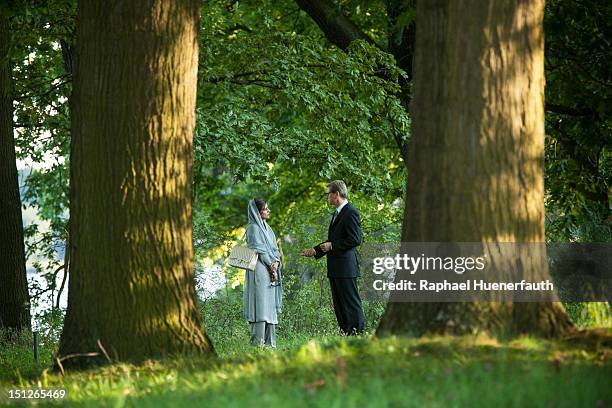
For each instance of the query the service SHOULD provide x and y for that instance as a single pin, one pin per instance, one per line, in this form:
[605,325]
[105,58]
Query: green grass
[355,372]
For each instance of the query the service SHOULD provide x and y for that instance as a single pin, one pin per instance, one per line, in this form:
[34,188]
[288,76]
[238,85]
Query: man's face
[333,199]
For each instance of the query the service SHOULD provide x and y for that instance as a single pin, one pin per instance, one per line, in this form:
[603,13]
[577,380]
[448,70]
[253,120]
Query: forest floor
[350,372]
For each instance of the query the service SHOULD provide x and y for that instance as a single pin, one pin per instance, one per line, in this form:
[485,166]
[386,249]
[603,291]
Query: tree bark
[132,281]
[479,119]
[14,297]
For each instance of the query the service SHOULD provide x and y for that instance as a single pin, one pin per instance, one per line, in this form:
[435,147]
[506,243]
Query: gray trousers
[263,333]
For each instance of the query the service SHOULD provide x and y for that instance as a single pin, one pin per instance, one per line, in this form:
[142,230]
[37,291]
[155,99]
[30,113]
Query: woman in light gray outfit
[263,286]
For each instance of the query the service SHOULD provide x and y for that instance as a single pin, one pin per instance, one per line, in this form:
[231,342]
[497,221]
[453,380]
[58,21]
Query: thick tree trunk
[475,170]
[14,297]
[132,285]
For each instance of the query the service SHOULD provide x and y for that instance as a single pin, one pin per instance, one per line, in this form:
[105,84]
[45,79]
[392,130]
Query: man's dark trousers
[347,305]
[342,269]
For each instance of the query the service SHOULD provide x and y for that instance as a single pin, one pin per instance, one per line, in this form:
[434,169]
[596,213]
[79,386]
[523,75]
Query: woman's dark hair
[260,203]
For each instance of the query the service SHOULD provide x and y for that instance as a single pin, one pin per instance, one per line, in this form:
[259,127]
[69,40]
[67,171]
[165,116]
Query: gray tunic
[262,300]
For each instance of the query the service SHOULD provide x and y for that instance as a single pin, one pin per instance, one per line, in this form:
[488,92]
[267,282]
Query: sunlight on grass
[337,371]
[526,343]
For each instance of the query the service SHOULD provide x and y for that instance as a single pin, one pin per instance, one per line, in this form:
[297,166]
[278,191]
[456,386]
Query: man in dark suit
[343,236]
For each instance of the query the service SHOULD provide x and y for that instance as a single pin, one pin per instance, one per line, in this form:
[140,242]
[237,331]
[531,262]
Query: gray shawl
[262,240]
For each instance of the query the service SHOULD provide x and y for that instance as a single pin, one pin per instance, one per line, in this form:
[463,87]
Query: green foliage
[16,356]
[590,314]
[224,321]
[583,314]
[560,228]
[42,34]
[17,349]
[280,112]
[323,111]
[307,313]
[578,119]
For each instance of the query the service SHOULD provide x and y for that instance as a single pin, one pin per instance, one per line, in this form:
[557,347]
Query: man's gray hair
[338,186]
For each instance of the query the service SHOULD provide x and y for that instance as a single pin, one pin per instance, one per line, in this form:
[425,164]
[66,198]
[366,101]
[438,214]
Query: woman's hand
[273,269]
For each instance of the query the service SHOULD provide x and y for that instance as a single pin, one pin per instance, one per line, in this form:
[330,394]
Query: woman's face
[265,212]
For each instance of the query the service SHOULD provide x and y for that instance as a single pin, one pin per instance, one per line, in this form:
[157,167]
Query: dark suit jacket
[344,235]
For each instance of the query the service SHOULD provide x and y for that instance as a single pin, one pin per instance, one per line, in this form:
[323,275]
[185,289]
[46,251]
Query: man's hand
[274,266]
[326,246]
[308,252]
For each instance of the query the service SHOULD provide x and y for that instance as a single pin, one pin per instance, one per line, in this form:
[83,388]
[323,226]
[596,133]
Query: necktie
[334,217]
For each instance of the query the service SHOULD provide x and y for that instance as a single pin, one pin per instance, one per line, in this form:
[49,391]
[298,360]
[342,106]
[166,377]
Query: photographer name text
[468,285]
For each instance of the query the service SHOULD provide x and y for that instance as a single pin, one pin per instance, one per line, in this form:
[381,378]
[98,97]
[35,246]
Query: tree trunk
[132,281]
[476,158]
[14,297]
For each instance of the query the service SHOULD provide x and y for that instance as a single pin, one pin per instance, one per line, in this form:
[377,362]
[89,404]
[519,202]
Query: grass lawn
[352,372]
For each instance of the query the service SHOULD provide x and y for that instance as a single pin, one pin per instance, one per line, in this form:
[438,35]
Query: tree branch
[563,110]
[46,93]
[259,82]
[338,29]
[243,74]
[52,286]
